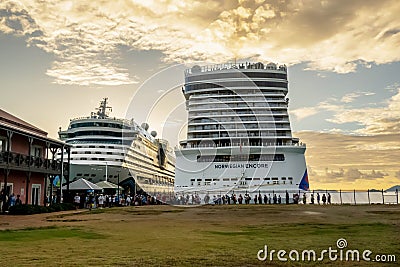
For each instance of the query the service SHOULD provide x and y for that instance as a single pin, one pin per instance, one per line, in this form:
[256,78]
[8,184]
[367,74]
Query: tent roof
[106,185]
[82,184]
[393,188]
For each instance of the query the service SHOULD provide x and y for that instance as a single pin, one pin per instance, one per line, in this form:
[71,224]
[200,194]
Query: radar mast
[102,111]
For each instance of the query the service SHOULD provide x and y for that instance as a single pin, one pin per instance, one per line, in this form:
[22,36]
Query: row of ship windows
[222,105]
[97,133]
[98,159]
[246,179]
[240,99]
[239,119]
[251,157]
[242,135]
[241,93]
[235,126]
[109,147]
[240,183]
[98,152]
[236,75]
[100,124]
[238,113]
[273,180]
[230,84]
[227,143]
[100,141]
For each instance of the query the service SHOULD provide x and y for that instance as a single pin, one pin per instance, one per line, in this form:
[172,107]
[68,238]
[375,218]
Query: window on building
[35,194]
[37,151]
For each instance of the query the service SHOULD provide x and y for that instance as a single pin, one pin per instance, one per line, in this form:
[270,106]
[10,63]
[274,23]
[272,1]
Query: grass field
[197,236]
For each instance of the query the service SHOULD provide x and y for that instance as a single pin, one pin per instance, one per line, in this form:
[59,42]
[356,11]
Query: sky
[58,59]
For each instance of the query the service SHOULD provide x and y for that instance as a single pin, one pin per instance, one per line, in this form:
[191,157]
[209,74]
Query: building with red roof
[27,161]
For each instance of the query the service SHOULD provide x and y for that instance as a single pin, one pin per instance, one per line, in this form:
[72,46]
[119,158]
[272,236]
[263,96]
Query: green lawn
[200,236]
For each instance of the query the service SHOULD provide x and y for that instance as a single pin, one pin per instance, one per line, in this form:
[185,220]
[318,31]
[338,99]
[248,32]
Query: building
[27,160]
[239,136]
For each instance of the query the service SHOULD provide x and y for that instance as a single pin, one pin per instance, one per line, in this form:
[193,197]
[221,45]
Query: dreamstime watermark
[338,253]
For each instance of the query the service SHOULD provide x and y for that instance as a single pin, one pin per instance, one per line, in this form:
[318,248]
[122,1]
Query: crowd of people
[7,201]
[230,199]
[91,201]
[246,198]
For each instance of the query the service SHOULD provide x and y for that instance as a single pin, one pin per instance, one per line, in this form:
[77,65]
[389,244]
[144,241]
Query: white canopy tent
[107,185]
[82,184]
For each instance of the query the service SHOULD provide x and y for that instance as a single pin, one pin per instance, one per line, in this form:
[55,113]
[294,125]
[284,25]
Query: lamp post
[119,197]
[118,185]
[106,171]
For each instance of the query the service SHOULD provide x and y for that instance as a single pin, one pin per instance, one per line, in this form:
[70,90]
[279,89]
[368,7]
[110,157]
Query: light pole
[119,197]
[106,171]
[118,185]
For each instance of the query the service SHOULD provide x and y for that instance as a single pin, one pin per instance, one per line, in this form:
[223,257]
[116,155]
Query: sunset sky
[58,59]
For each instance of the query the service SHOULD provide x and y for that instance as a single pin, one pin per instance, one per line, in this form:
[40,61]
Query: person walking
[101,199]
[77,201]
[324,199]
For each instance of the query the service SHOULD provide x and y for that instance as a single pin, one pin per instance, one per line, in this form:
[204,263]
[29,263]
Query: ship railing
[297,196]
[264,144]
[234,65]
[125,121]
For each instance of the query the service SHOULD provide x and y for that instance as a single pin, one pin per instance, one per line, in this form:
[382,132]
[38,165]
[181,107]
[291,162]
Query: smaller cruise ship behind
[106,148]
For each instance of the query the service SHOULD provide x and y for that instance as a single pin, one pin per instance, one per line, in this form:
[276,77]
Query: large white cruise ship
[239,136]
[105,148]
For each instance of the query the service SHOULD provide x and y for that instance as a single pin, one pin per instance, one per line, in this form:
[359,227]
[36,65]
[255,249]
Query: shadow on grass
[43,233]
[144,210]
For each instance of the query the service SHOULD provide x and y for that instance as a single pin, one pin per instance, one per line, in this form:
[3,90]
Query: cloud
[333,174]
[370,120]
[383,120]
[350,97]
[302,113]
[349,162]
[86,36]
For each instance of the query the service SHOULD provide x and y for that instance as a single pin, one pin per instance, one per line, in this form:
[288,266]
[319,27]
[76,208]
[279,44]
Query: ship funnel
[153,133]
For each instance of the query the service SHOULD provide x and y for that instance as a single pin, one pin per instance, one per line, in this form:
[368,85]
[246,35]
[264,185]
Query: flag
[56,181]
[304,184]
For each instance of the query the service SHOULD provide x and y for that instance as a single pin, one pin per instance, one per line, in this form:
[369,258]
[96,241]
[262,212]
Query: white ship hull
[235,176]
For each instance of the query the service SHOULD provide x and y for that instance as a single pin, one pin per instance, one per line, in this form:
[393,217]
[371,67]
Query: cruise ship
[239,136]
[120,151]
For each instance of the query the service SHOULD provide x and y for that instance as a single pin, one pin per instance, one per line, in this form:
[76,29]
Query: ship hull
[235,176]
